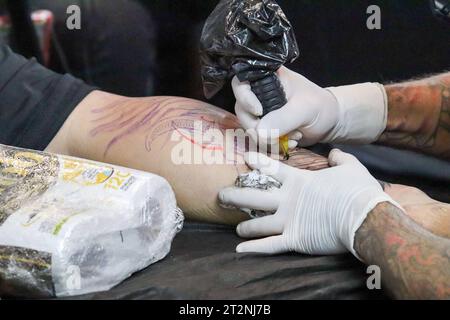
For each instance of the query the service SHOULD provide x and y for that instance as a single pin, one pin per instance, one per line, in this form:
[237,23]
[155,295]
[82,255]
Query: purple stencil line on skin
[124,104]
[188,125]
[148,142]
[109,106]
[131,129]
[113,123]
[175,123]
[147,119]
[189,112]
[123,112]
[164,105]
[165,117]
[171,125]
[182,123]
[110,127]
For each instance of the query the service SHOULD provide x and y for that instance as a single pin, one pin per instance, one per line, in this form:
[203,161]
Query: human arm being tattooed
[419,115]
[138,132]
[414,263]
[135,132]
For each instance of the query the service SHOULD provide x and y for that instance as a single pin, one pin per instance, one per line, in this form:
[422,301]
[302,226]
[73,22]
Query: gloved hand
[317,212]
[347,114]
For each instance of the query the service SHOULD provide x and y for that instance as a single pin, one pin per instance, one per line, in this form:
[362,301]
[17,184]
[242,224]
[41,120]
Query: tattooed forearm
[419,116]
[414,263]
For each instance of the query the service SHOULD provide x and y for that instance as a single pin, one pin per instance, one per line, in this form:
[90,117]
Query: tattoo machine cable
[251,39]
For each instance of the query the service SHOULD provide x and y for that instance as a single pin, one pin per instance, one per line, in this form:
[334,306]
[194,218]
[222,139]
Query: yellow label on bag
[87,174]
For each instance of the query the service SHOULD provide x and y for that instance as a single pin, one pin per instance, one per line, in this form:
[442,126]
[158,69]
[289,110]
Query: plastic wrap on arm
[71,226]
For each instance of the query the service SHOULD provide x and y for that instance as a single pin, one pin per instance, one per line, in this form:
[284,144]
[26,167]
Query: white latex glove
[317,212]
[347,114]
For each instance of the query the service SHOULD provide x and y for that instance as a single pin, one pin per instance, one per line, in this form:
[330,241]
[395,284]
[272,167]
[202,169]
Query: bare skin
[430,214]
[419,116]
[136,132]
[106,127]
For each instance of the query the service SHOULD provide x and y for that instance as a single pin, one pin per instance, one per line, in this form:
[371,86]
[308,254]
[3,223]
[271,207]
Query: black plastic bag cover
[247,38]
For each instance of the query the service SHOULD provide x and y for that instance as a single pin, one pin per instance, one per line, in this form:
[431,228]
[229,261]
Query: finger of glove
[246,98]
[280,122]
[295,135]
[338,158]
[270,245]
[246,119]
[292,144]
[260,227]
[306,142]
[249,198]
[294,138]
[267,165]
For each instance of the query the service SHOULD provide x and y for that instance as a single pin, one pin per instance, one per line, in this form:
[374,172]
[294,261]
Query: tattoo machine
[251,39]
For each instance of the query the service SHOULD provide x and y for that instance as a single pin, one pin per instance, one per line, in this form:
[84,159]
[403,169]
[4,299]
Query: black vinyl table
[203,264]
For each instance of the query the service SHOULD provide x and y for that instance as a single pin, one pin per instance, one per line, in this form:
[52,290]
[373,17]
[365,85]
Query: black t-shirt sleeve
[34,101]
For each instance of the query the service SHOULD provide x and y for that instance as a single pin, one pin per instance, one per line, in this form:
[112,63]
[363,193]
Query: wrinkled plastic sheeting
[70,226]
[247,38]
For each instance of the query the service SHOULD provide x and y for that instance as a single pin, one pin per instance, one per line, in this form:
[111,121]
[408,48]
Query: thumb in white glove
[310,113]
[355,114]
[317,212]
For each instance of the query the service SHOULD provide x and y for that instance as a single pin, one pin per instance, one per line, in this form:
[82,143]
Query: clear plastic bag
[70,226]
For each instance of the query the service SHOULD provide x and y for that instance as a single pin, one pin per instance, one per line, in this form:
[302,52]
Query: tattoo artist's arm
[414,263]
[419,116]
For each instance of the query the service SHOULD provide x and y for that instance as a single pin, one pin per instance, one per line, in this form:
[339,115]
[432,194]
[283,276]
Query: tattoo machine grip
[269,92]
[250,39]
